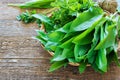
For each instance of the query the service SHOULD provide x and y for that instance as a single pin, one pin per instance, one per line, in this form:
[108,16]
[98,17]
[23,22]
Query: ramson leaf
[83,35]
[91,55]
[43,18]
[57,65]
[55,36]
[85,20]
[46,21]
[35,4]
[82,67]
[67,43]
[110,39]
[80,51]
[67,53]
[101,59]
[51,45]
[65,28]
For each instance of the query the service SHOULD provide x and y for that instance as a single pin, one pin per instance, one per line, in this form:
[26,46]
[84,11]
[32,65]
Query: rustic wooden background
[22,58]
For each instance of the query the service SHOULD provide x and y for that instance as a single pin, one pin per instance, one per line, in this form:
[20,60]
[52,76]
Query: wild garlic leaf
[56,36]
[34,4]
[92,53]
[110,39]
[58,58]
[95,67]
[82,67]
[84,21]
[67,43]
[42,34]
[51,45]
[40,39]
[101,60]
[85,40]
[80,51]
[67,53]
[88,31]
[57,65]
[65,28]
[43,18]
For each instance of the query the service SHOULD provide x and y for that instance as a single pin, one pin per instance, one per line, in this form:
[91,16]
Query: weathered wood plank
[13,1]
[63,74]
[15,28]
[21,47]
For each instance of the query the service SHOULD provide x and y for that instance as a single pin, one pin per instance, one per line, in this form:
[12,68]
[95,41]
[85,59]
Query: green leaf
[58,58]
[84,21]
[51,46]
[83,35]
[34,4]
[101,60]
[42,34]
[67,53]
[43,18]
[70,35]
[92,53]
[40,39]
[57,55]
[80,52]
[64,54]
[118,24]
[95,67]
[56,36]
[65,28]
[67,43]
[110,39]
[82,67]
[57,65]
[47,27]
[85,40]
[47,22]
[58,52]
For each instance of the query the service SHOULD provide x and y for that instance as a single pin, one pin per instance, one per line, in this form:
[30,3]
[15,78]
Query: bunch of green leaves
[78,32]
[68,10]
[63,11]
[88,39]
[26,17]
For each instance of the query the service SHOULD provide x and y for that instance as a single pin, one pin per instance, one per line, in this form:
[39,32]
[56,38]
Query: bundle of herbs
[79,31]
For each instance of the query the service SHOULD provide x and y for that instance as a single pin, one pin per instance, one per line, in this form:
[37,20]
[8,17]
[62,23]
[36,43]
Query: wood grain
[22,58]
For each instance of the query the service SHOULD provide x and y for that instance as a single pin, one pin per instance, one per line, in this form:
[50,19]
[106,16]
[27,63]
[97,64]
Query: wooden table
[22,58]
